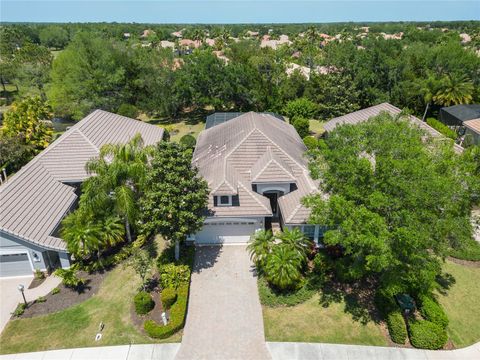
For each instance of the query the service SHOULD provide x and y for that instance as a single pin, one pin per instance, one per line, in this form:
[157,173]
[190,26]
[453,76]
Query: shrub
[302,125]
[128,110]
[427,335]
[39,274]
[396,327]
[469,251]
[172,276]
[41,299]
[433,312]
[301,107]
[169,296]
[441,127]
[188,141]
[19,310]
[310,142]
[273,298]
[69,278]
[143,303]
[177,317]
[55,291]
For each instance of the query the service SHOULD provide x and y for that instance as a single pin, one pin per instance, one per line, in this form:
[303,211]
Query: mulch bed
[155,314]
[66,297]
[469,263]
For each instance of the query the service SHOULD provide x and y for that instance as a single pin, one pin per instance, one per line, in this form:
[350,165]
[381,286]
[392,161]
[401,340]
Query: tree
[175,197]
[283,266]
[300,108]
[260,246]
[188,141]
[302,126]
[454,90]
[28,120]
[295,240]
[398,201]
[141,262]
[82,235]
[54,37]
[14,153]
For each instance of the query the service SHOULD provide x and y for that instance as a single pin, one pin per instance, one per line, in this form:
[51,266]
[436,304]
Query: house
[365,114]
[146,33]
[257,175]
[167,44]
[456,115]
[34,201]
[472,132]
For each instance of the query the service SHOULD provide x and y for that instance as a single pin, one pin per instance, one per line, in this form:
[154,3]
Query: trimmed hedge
[143,303]
[177,317]
[433,311]
[441,127]
[427,335]
[273,298]
[169,296]
[396,327]
[470,251]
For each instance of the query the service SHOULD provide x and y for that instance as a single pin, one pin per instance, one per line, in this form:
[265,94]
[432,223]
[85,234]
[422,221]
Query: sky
[236,11]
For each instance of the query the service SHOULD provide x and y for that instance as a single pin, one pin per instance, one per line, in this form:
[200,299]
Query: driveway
[224,318]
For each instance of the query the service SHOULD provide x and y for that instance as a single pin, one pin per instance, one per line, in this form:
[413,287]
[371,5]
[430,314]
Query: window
[309,231]
[224,200]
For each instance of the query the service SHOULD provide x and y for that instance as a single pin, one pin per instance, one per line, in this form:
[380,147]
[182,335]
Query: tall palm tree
[295,240]
[260,246]
[113,231]
[454,89]
[82,235]
[283,267]
[427,88]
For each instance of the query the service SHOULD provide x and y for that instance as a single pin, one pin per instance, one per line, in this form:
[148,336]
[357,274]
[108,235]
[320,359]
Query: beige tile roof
[34,200]
[253,148]
[473,125]
[365,114]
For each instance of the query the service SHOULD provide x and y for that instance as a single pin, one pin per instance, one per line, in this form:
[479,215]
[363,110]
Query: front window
[224,200]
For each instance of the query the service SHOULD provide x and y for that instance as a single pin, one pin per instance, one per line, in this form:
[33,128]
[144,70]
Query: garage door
[14,265]
[226,232]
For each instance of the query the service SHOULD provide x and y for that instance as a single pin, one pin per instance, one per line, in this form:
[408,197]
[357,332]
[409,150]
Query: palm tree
[295,240]
[454,90]
[260,246]
[82,235]
[283,267]
[113,231]
[427,88]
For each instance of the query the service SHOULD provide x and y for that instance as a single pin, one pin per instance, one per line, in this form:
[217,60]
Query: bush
[69,278]
[39,274]
[177,317]
[55,291]
[41,299]
[273,298]
[396,327]
[427,335]
[143,303]
[169,296]
[302,125]
[188,141]
[469,251]
[310,142]
[128,110]
[301,107]
[441,127]
[19,310]
[433,312]
[172,276]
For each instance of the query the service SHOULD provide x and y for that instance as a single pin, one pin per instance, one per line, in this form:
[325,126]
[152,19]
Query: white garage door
[14,265]
[228,232]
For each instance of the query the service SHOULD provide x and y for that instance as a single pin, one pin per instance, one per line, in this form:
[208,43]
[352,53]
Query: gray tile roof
[34,200]
[253,148]
[365,114]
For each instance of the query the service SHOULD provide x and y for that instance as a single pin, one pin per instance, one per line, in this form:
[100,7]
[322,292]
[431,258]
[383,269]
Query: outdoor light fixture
[21,288]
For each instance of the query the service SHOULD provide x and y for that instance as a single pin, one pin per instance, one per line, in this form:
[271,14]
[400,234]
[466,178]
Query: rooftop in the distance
[221,117]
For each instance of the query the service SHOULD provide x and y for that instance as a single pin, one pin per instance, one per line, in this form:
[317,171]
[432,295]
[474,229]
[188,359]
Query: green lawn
[77,326]
[183,128]
[462,304]
[311,322]
[316,127]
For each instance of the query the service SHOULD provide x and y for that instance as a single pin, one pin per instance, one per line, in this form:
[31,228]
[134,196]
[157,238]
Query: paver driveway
[224,318]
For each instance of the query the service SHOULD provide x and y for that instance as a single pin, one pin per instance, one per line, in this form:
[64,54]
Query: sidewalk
[121,352]
[310,351]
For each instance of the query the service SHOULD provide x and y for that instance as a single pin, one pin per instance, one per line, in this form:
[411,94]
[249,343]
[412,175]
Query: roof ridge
[253,196]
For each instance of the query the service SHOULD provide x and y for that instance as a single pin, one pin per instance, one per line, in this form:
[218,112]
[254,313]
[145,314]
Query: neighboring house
[274,44]
[472,132]
[167,44]
[456,115]
[257,175]
[34,201]
[365,114]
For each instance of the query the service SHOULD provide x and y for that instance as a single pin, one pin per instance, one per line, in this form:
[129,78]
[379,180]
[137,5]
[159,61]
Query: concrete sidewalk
[122,352]
[312,351]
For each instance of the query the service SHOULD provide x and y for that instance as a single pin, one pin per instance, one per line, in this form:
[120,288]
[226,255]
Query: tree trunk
[127,230]
[425,113]
[177,250]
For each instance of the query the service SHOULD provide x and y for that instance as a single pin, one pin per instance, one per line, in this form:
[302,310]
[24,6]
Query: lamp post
[21,288]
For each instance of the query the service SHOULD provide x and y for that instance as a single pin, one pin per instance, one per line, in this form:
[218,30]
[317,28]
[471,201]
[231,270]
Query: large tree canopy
[398,201]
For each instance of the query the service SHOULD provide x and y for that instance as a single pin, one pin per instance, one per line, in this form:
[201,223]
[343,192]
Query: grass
[177,130]
[462,305]
[311,322]
[316,127]
[77,326]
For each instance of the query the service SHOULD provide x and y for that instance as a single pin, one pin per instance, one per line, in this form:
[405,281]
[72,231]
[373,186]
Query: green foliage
[173,276]
[39,274]
[143,303]
[302,125]
[141,262]
[300,108]
[468,251]
[169,296]
[14,153]
[55,291]
[70,278]
[282,267]
[444,129]
[41,299]
[310,142]
[177,317]
[432,311]
[54,36]
[188,141]
[19,310]
[427,335]
[128,110]
[273,297]
[260,246]
[396,327]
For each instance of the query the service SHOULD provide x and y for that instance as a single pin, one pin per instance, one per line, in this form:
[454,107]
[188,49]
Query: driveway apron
[224,318]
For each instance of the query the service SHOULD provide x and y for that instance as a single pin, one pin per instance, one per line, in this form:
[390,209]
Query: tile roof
[473,125]
[36,198]
[365,114]
[253,148]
